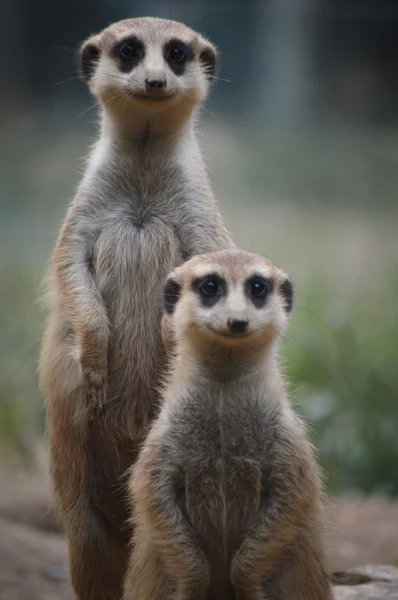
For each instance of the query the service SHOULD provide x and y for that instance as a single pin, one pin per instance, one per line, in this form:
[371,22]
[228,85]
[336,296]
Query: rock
[56,572]
[32,563]
[25,500]
[362,531]
[372,582]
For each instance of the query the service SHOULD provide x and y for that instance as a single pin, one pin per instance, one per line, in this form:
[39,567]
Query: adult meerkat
[226,493]
[143,206]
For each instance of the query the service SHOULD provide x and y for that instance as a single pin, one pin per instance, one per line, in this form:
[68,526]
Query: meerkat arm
[85,307]
[281,512]
[174,540]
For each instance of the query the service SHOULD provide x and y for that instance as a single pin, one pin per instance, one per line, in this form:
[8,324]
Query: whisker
[286,336]
[66,80]
[239,76]
[214,116]
[85,112]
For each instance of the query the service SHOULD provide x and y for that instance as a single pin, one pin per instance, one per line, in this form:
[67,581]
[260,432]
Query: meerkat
[144,205]
[226,494]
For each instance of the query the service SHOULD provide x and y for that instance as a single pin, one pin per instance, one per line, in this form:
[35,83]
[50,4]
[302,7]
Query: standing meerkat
[144,205]
[226,494]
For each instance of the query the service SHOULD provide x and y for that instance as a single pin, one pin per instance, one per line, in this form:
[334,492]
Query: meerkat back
[144,205]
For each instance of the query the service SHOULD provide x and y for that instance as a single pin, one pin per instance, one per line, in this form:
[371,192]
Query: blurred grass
[321,205]
[21,412]
[345,369]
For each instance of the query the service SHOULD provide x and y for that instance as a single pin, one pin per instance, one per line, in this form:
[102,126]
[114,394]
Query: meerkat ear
[171,294]
[209,59]
[286,289]
[89,56]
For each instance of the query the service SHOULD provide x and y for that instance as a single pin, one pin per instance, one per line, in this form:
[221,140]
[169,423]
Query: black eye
[210,287]
[258,289]
[130,51]
[178,53]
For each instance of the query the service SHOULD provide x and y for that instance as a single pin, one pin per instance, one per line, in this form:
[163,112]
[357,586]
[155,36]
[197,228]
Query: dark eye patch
[210,288]
[89,58]
[177,53]
[209,61]
[258,289]
[287,292]
[171,295]
[128,53]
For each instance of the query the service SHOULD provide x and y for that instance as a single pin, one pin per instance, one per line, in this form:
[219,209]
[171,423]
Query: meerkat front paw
[242,594]
[192,594]
[246,587]
[196,586]
[95,384]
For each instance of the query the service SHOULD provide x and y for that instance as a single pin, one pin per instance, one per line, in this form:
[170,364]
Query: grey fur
[226,493]
[144,204]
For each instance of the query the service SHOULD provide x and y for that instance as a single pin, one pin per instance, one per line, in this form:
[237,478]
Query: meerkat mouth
[150,96]
[228,334]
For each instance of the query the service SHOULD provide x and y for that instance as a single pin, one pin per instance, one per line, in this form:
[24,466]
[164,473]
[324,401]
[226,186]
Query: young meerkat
[226,495]
[144,205]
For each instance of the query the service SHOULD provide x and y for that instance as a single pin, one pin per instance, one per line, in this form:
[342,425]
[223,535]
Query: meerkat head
[230,297]
[149,65]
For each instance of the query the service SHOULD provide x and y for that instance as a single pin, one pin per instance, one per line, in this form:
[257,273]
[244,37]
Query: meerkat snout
[227,296]
[237,325]
[155,84]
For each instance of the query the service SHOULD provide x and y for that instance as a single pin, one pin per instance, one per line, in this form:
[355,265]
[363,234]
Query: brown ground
[33,550]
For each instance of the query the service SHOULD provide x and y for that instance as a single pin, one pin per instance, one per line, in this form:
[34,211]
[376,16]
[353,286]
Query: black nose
[155,84]
[237,325]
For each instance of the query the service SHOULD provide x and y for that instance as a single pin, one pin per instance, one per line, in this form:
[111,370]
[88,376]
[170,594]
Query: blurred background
[301,138]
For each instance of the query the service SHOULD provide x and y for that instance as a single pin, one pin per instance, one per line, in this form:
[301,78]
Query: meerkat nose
[155,84]
[237,325]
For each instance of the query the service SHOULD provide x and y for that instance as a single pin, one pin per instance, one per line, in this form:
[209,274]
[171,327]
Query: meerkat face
[229,295]
[148,62]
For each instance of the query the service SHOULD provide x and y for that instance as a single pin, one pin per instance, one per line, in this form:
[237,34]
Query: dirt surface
[34,555]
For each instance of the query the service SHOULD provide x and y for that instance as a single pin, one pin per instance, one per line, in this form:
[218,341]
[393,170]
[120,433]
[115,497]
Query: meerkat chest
[135,250]
[223,478]
[139,226]
[130,264]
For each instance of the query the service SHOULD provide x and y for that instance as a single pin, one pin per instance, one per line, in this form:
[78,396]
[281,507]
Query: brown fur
[143,206]
[226,493]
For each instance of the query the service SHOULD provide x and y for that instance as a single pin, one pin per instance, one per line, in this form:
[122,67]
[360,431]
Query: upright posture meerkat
[143,207]
[226,493]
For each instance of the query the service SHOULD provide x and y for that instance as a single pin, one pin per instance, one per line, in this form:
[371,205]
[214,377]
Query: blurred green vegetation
[325,209]
[21,409]
[343,368]
[321,206]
